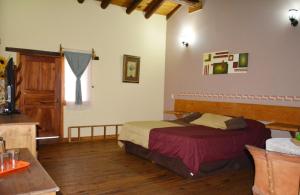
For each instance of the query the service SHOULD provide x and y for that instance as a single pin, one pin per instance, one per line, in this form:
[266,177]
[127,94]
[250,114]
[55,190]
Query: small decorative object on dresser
[131,69]
[3,63]
[296,140]
[2,145]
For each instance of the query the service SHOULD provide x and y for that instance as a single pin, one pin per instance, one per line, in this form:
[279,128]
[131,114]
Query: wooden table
[284,127]
[33,180]
[178,114]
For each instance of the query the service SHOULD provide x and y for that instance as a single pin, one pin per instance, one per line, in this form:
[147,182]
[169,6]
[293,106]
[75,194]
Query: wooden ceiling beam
[173,11]
[195,7]
[186,2]
[132,6]
[152,7]
[105,3]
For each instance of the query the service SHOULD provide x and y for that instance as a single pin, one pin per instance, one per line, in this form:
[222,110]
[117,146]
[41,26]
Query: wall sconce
[186,44]
[293,16]
[184,39]
[187,37]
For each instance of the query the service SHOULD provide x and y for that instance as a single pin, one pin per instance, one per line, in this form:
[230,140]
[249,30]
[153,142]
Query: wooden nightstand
[284,127]
[178,114]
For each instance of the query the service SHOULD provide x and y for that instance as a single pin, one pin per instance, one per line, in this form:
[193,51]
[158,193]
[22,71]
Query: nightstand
[178,114]
[284,127]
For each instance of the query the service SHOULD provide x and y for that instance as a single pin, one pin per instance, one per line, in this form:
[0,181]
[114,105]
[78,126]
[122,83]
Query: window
[70,84]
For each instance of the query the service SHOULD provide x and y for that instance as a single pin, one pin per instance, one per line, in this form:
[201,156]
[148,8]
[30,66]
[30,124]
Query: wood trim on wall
[280,114]
[234,96]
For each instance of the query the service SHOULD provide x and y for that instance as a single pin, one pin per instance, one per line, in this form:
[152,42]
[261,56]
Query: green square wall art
[220,68]
[243,60]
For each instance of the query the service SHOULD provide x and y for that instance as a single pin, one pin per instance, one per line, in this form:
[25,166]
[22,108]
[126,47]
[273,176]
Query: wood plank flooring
[103,168]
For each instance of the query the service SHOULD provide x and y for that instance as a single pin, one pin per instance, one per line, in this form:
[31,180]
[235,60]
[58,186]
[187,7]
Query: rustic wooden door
[41,92]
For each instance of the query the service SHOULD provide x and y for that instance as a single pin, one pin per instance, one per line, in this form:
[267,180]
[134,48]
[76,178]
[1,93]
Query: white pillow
[212,120]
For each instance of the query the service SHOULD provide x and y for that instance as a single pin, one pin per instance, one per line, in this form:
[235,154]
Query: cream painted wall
[43,25]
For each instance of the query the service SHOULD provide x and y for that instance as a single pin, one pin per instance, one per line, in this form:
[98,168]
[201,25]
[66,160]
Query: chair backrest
[275,173]
[285,173]
[261,181]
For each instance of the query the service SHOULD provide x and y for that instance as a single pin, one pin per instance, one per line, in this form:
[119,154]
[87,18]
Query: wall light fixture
[186,44]
[294,16]
[187,36]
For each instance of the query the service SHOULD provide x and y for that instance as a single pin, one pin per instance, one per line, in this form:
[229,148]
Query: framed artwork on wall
[224,62]
[131,69]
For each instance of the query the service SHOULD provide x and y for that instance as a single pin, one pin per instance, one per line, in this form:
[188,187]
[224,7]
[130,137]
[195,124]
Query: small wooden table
[284,127]
[33,180]
[178,114]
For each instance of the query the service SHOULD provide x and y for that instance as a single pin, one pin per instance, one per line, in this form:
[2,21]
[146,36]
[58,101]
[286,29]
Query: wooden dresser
[19,131]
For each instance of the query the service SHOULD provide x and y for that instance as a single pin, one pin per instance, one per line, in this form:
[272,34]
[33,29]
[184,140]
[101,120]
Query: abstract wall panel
[224,62]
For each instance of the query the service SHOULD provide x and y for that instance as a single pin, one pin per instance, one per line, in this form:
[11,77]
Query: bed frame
[271,113]
[177,166]
[289,116]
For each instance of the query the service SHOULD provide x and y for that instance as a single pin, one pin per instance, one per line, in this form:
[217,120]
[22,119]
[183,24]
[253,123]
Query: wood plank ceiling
[150,7]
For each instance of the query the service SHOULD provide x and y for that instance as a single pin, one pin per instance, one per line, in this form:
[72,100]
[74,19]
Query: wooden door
[41,92]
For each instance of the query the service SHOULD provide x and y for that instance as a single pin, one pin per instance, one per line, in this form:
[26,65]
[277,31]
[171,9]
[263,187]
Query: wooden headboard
[281,114]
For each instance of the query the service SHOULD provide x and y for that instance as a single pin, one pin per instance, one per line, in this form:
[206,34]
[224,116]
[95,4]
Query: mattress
[138,132]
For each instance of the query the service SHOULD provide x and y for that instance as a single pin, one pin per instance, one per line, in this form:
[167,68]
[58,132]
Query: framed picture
[131,69]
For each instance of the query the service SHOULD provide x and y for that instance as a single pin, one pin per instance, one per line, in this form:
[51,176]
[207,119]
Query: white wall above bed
[43,25]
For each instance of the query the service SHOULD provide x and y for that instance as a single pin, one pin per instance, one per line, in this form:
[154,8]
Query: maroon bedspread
[195,145]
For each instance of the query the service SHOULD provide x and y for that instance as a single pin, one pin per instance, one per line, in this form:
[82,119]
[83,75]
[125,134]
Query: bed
[196,150]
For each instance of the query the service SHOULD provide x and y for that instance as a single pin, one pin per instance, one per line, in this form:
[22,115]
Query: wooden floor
[103,168]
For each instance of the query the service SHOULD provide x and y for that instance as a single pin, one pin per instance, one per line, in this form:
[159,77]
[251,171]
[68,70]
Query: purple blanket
[195,145]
